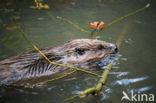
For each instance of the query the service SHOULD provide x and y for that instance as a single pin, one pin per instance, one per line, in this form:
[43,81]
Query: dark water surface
[134,69]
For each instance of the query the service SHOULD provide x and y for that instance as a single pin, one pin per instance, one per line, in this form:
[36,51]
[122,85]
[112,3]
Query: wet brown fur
[31,67]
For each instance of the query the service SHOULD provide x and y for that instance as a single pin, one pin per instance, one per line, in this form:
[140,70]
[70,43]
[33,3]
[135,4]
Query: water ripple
[104,96]
[146,88]
[128,81]
[50,88]
[76,92]
[119,74]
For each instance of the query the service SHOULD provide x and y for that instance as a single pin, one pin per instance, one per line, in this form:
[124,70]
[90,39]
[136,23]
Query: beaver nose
[115,49]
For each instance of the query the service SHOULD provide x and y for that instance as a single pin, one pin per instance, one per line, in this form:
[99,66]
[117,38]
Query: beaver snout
[114,49]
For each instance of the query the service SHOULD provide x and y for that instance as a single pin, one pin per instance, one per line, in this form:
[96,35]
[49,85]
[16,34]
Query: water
[133,70]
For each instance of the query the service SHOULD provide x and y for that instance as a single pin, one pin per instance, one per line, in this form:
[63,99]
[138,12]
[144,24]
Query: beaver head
[79,52]
[82,51]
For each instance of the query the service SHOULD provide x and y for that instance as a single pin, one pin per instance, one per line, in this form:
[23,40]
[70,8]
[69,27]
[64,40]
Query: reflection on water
[133,68]
[119,74]
[128,81]
[143,89]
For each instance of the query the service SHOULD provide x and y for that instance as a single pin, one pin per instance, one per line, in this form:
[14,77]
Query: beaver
[32,67]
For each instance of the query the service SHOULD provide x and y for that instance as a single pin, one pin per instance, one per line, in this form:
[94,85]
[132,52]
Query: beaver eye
[100,47]
[79,51]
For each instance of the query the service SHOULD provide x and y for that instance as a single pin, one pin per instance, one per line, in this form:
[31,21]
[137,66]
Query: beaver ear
[68,41]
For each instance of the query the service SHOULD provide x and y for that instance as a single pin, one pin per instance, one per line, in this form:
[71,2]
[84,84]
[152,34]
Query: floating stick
[74,25]
[129,14]
[109,24]
[53,79]
[95,89]
[39,5]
